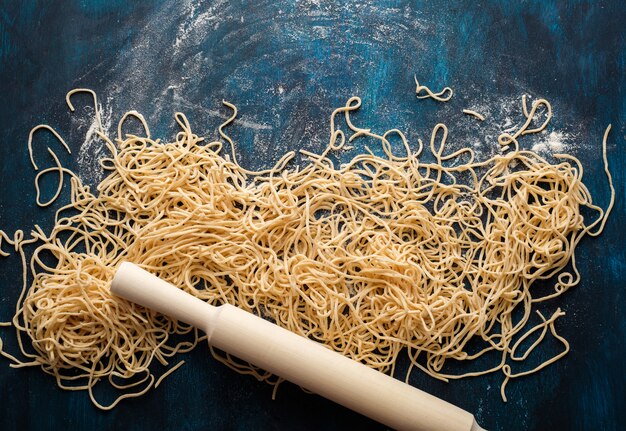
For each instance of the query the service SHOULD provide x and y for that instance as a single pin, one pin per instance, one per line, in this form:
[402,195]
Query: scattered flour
[503,114]
[553,143]
[196,26]
[195,23]
[92,148]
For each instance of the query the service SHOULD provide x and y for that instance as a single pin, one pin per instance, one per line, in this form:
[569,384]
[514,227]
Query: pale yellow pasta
[376,256]
[474,114]
[424,92]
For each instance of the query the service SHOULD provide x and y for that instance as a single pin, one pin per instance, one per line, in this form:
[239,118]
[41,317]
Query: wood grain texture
[286,65]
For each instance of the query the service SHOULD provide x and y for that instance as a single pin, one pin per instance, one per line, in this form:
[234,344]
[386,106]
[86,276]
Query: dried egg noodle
[377,255]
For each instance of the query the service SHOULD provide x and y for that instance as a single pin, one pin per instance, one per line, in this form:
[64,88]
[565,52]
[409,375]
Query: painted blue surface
[286,65]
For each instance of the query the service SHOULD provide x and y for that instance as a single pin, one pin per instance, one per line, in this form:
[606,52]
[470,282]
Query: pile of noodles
[374,257]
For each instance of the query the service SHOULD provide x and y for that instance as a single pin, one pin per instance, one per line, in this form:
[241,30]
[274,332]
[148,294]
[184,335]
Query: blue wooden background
[286,65]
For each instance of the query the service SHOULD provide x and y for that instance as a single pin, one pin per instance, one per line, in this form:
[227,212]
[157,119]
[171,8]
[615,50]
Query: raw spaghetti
[373,257]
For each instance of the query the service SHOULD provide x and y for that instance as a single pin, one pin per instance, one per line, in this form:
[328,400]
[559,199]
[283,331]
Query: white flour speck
[554,142]
[196,26]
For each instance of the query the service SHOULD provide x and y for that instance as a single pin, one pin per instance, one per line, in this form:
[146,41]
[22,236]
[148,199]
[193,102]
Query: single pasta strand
[167,373]
[474,114]
[371,257]
[443,96]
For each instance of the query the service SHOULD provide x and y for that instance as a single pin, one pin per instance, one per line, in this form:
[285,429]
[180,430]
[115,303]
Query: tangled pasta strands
[373,257]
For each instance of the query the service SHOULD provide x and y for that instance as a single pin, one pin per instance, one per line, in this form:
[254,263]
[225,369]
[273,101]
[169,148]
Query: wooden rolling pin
[295,358]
